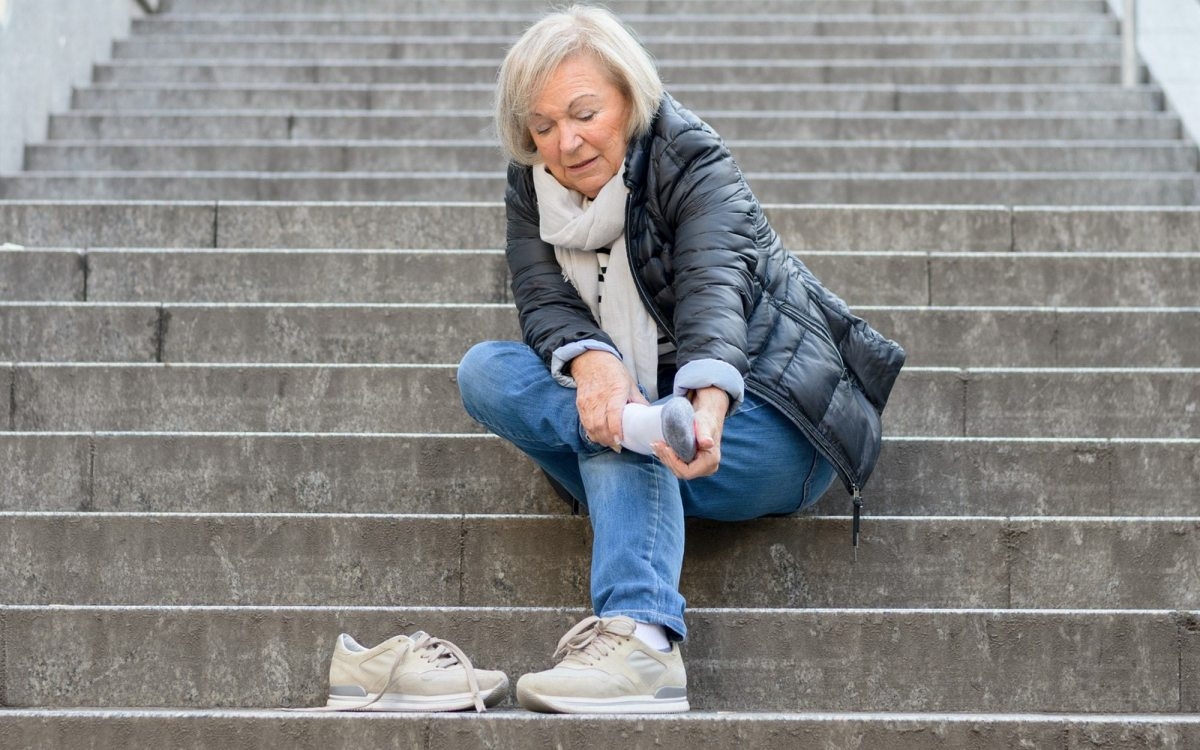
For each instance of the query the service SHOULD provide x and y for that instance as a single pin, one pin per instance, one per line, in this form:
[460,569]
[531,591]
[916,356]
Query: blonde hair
[580,29]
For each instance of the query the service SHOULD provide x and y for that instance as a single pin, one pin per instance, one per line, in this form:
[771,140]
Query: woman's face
[578,125]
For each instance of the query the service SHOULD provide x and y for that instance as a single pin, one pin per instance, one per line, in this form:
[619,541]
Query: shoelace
[439,650]
[449,654]
[593,639]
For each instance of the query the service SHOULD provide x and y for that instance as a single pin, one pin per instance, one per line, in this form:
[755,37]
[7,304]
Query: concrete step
[956,27]
[533,8]
[741,70]
[927,401]
[499,561]
[806,229]
[441,332]
[920,39]
[407,473]
[246,728]
[230,125]
[971,188]
[387,277]
[478,155]
[1146,98]
[41,275]
[841,660]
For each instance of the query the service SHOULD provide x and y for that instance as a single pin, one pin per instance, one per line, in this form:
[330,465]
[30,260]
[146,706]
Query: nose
[568,139]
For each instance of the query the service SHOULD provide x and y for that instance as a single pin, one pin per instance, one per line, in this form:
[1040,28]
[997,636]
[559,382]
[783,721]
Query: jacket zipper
[809,432]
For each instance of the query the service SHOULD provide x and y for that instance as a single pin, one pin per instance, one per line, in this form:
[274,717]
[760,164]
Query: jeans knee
[474,373]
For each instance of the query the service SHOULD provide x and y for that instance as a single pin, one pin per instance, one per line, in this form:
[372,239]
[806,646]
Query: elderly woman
[642,268]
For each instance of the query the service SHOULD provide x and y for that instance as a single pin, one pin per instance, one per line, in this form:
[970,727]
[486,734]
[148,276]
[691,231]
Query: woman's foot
[673,422]
[605,668]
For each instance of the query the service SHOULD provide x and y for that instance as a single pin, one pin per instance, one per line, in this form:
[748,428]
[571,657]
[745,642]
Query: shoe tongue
[445,659]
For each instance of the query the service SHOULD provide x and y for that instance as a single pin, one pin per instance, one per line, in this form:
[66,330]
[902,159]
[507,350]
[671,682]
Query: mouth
[582,164]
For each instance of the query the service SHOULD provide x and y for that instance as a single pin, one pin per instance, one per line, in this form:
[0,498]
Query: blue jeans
[636,505]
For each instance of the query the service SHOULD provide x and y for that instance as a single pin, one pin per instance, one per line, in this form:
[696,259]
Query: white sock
[654,636]
[641,425]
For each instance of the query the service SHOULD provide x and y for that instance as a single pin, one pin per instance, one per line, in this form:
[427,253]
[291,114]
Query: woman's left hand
[711,405]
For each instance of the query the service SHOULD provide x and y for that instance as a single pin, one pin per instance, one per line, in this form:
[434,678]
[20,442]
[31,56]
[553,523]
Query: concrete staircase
[233,430]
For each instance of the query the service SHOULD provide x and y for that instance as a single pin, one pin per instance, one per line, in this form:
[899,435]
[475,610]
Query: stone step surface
[236,729]
[1001,44]
[1069,279]
[1026,573]
[812,659]
[368,125]
[479,156]
[753,71]
[1019,188]
[635,8]
[806,229]
[503,28]
[929,401]
[441,332]
[499,561]
[994,98]
[404,473]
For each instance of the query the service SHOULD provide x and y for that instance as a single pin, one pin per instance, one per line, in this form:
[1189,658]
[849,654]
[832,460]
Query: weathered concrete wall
[46,47]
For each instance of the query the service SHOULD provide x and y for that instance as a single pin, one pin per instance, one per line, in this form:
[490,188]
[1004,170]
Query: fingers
[600,411]
[708,426]
[706,463]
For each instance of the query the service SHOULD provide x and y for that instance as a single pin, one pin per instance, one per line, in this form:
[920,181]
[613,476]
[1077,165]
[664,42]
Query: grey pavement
[247,728]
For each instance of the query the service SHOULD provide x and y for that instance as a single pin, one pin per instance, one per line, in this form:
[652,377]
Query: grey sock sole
[679,429]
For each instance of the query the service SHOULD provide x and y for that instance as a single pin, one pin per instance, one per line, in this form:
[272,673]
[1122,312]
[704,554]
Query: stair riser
[804,660]
[1167,189]
[657,32]
[272,398]
[405,474]
[456,732]
[374,126]
[952,279]
[350,335]
[945,73]
[701,97]
[485,156]
[798,42]
[627,7]
[802,228]
[501,562]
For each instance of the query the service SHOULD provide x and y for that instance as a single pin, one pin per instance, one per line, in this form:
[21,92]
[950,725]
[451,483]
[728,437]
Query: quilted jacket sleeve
[714,255]
[551,312]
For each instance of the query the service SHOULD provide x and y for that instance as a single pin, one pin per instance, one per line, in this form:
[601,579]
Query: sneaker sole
[417,703]
[628,705]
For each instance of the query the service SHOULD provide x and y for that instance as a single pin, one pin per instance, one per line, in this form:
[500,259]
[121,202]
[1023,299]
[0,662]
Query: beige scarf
[577,228]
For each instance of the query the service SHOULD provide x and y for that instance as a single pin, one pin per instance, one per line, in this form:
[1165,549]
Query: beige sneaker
[409,673]
[605,669]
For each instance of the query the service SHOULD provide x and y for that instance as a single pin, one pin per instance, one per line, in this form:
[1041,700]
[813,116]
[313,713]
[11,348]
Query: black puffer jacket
[717,278]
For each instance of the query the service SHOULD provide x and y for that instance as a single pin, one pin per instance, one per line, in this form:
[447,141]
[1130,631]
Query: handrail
[1129,61]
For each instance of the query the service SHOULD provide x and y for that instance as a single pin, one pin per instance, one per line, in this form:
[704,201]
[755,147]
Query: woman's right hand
[603,387]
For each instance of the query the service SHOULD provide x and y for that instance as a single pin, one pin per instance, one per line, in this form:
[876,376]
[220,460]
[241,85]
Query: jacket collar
[637,157]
